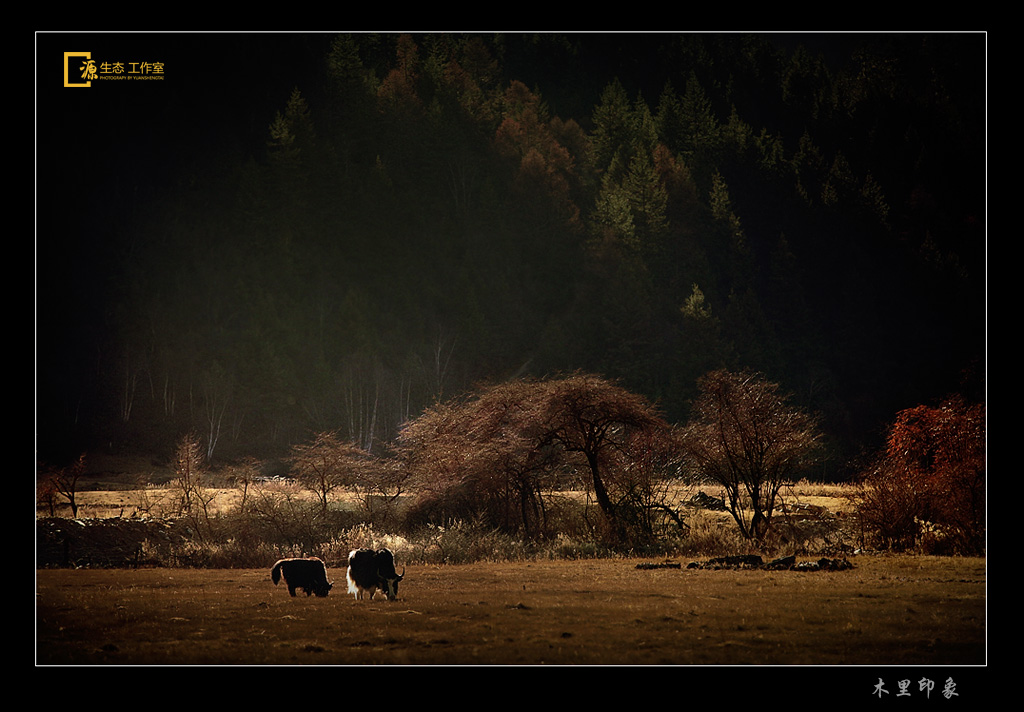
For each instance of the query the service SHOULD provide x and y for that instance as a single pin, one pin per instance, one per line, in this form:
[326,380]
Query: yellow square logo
[79,69]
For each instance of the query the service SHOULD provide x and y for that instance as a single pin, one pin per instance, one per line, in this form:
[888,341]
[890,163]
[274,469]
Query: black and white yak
[369,570]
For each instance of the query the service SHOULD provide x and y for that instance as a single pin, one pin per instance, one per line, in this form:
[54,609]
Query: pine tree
[610,137]
[699,127]
[648,202]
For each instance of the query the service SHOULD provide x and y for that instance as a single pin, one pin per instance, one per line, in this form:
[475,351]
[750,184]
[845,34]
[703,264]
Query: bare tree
[501,451]
[745,437]
[128,392]
[327,464]
[244,475]
[46,494]
[379,484]
[648,481]
[217,388]
[193,499]
[61,481]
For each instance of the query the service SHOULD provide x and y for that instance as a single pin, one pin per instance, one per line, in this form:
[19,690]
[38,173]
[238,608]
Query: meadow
[891,610]
[886,610]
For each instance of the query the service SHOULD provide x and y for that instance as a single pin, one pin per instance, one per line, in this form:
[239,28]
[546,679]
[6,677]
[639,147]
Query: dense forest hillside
[368,223]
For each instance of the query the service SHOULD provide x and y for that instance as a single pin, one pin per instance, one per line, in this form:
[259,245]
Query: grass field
[887,610]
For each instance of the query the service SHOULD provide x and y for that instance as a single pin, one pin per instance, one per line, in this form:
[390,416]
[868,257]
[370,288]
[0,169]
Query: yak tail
[275,573]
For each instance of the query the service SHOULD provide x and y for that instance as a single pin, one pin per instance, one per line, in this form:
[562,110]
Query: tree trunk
[759,525]
[603,500]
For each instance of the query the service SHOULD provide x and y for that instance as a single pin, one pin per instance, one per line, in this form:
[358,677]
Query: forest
[399,219]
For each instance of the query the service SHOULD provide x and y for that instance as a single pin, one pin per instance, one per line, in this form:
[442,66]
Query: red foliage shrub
[928,487]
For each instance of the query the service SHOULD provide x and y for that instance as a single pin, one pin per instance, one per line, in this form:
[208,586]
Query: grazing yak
[369,570]
[308,574]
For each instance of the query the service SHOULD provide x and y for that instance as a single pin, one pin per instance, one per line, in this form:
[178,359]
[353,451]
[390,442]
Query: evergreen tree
[648,202]
[699,129]
[610,138]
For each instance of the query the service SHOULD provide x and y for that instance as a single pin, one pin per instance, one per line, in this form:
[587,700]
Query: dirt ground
[884,611]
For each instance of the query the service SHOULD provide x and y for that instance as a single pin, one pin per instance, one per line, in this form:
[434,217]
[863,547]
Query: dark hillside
[298,233]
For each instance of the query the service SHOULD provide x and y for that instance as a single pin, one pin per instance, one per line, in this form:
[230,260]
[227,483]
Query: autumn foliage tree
[527,137]
[928,486]
[747,437]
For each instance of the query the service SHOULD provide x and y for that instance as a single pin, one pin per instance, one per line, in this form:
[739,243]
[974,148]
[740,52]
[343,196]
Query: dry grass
[710,531]
[888,610]
[159,501]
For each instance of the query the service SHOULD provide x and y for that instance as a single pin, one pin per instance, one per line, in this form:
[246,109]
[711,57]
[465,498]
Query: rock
[834,564]
[783,562]
[743,561]
[665,565]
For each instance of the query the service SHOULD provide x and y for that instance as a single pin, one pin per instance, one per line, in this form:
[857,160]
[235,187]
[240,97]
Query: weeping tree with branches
[745,436]
[613,430]
[504,450]
[473,458]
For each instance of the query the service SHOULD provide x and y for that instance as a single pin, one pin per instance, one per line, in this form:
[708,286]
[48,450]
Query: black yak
[369,570]
[308,574]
